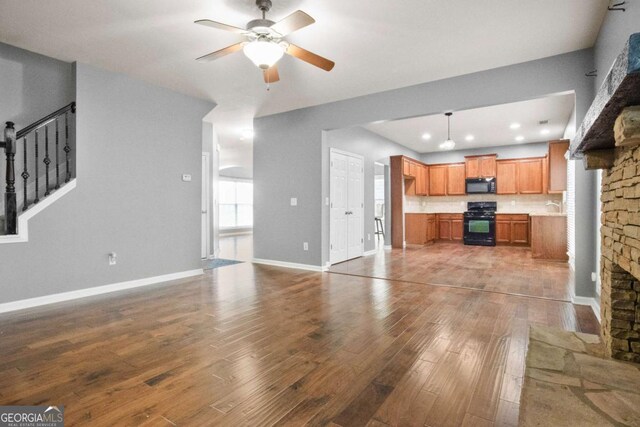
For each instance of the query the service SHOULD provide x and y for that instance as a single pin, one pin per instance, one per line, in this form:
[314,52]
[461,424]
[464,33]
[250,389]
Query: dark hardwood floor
[255,345]
[505,269]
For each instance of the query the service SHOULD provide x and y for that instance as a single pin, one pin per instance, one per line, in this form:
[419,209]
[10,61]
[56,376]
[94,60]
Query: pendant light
[449,144]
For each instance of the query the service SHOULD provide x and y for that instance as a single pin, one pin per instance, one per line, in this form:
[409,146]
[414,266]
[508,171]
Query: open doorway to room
[487,210]
[379,203]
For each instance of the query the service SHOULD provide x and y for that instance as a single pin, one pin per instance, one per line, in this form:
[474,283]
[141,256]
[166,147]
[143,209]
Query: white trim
[387,247]
[207,195]
[23,220]
[288,264]
[347,153]
[98,290]
[371,252]
[591,302]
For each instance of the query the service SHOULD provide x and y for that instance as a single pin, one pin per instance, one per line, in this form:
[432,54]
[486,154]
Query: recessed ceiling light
[544,132]
[519,138]
[514,126]
[426,136]
[469,138]
[247,134]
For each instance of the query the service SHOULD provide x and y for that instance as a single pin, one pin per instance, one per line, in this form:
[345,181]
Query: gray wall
[32,85]
[535,149]
[288,150]
[374,148]
[614,33]
[134,142]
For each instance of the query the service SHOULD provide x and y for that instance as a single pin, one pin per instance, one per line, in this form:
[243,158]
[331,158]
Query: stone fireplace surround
[620,231]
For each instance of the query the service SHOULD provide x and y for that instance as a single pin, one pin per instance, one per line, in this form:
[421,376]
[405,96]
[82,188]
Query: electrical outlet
[186,177]
[368,236]
[326,201]
[513,203]
[294,201]
[594,276]
[113,258]
[305,246]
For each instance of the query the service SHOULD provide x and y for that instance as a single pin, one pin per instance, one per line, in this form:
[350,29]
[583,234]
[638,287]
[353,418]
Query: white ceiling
[377,45]
[489,126]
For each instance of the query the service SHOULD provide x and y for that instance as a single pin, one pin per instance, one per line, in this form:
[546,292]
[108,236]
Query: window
[236,204]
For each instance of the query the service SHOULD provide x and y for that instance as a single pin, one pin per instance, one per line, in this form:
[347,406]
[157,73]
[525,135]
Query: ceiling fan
[265,44]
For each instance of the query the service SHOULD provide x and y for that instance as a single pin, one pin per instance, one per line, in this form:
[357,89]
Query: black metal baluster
[46,161]
[25,176]
[57,158]
[67,148]
[37,199]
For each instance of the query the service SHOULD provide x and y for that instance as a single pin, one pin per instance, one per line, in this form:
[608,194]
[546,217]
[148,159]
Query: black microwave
[480,185]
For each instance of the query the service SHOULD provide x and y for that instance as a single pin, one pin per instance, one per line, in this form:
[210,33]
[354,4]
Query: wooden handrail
[46,120]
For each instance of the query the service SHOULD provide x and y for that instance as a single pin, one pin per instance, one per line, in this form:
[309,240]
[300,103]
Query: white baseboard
[23,220]
[98,290]
[288,264]
[591,302]
[371,252]
[388,247]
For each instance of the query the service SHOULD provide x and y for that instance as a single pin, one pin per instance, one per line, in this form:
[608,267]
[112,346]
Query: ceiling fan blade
[220,26]
[220,53]
[293,22]
[271,75]
[310,57]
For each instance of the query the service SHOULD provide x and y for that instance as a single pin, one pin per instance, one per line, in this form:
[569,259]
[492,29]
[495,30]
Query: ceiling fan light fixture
[264,54]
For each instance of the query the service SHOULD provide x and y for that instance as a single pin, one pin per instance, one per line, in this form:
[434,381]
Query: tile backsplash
[531,203]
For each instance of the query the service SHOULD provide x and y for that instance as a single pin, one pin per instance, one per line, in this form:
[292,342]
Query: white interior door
[339,168]
[205,207]
[346,215]
[355,202]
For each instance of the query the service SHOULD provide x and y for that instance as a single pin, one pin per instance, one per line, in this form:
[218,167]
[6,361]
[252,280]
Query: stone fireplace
[609,139]
[620,230]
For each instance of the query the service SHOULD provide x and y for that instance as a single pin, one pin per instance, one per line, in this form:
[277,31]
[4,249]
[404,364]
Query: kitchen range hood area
[483,200]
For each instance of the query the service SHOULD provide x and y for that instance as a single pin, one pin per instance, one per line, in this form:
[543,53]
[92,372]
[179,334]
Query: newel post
[10,200]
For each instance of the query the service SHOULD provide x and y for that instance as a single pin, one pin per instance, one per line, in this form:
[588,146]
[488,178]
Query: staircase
[44,151]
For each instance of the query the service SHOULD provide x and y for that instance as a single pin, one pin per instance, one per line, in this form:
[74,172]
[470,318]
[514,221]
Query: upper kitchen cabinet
[558,166]
[422,180]
[409,168]
[481,166]
[438,180]
[456,179]
[530,172]
[506,177]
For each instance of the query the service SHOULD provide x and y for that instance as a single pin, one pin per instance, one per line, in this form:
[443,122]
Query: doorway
[346,210]
[205,213]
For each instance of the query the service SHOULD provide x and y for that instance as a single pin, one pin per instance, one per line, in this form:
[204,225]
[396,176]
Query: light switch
[294,201]
[186,177]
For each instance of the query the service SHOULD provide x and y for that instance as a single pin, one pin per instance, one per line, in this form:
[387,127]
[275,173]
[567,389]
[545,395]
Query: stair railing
[11,140]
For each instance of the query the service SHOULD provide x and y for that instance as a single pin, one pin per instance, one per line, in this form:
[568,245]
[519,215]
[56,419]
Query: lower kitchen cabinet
[419,228]
[512,229]
[450,227]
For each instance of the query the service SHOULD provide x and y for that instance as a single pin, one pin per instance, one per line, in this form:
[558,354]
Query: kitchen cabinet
[481,166]
[422,181]
[506,177]
[530,176]
[456,179]
[450,227]
[432,228]
[420,228]
[512,229]
[557,166]
[549,237]
[409,168]
[415,228]
[438,180]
